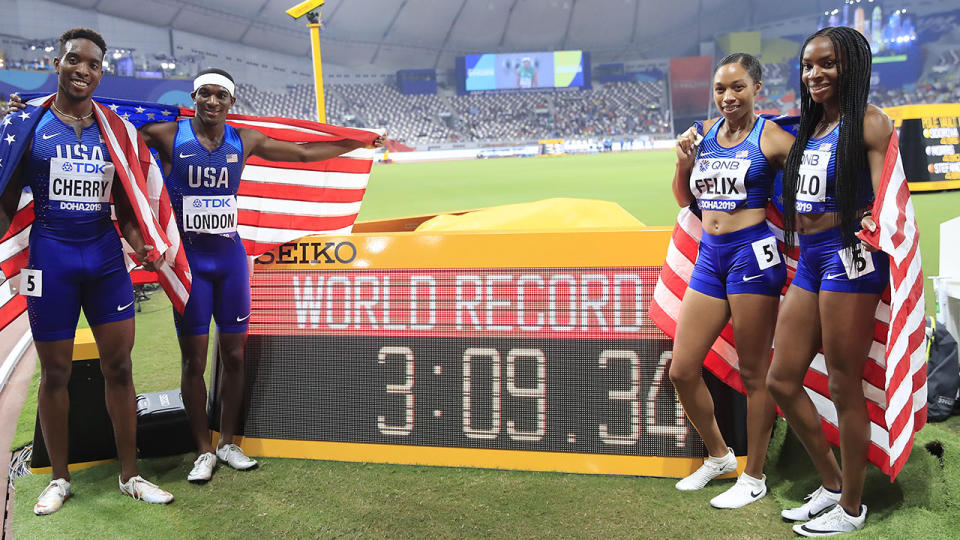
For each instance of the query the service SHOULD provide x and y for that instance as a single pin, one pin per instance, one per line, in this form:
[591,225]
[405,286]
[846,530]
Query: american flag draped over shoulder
[141,181]
[894,376]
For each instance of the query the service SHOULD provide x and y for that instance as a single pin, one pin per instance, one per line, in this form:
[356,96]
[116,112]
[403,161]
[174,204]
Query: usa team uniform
[203,191]
[725,179]
[76,258]
[824,263]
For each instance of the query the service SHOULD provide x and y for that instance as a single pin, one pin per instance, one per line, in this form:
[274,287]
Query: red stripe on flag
[300,193]
[254,218]
[12,309]
[337,164]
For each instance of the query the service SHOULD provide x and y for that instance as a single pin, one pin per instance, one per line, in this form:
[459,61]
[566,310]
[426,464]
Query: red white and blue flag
[894,377]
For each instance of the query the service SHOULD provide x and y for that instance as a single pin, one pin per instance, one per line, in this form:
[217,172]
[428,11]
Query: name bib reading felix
[718,184]
[211,214]
[78,184]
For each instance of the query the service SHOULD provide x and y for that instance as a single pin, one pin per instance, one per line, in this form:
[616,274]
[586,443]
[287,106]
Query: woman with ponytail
[829,181]
[739,274]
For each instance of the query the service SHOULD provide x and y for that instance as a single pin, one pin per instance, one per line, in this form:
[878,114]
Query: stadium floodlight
[303,8]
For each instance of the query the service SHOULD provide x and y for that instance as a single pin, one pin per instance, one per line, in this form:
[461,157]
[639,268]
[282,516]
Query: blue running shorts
[744,261]
[70,275]
[221,286]
[825,265]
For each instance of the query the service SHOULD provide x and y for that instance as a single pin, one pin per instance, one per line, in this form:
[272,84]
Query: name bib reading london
[812,184]
[718,184]
[211,214]
[79,184]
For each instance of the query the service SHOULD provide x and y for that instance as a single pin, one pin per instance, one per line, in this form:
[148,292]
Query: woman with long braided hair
[829,181]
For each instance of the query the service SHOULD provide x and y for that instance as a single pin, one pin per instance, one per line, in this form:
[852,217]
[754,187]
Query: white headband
[214,78]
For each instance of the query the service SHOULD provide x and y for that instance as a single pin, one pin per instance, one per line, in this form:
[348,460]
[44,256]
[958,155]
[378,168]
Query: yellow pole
[317,70]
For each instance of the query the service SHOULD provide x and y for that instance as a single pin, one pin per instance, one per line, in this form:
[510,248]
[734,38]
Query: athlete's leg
[754,316]
[848,322]
[231,384]
[796,342]
[702,317]
[193,389]
[53,401]
[115,341]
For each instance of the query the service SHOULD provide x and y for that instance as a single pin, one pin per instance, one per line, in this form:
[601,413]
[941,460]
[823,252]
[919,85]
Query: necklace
[78,118]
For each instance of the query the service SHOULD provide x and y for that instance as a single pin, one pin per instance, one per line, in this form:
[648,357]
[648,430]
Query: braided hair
[854,60]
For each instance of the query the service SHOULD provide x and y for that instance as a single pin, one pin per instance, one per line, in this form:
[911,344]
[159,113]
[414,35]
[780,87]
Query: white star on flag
[139,110]
[24,115]
[10,139]
[165,112]
[125,116]
[6,121]
[150,116]
[113,107]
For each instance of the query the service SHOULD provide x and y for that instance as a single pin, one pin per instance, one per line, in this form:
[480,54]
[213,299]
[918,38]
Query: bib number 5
[766,252]
[31,282]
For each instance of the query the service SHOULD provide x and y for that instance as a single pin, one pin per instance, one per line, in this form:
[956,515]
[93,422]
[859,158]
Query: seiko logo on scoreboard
[585,303]
[311,253]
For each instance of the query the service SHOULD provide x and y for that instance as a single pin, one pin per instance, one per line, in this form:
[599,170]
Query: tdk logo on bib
[84,167]
[211,214]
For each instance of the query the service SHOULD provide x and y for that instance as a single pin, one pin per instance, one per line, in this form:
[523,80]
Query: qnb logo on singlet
[210,177]
[812,181]
[210,214]
[719,183]
[80,185]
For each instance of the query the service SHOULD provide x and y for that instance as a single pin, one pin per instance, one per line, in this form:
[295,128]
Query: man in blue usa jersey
[202,158]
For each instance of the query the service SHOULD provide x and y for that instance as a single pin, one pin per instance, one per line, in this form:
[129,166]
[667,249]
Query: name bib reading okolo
[812,184]
[79,184]
[718,184]
[211,214]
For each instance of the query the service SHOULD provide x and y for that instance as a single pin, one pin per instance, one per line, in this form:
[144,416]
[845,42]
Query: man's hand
[379,141]
[143,259]
[15,104]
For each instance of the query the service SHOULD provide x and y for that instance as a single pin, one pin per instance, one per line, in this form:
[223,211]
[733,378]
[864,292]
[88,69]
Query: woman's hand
[687,148]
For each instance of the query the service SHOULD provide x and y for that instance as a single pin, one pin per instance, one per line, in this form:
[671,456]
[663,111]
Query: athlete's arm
[775,144]
[130,228]
[877,130]
[262,146]
[160,137]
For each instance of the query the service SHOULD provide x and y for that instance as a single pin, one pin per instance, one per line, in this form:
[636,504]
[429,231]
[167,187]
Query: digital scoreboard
[491,349]
[929,144]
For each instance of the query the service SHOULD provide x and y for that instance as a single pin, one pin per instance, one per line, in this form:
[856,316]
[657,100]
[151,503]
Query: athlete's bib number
[80,184]
[812,183]
[856,262]
[766,252]
[718,184]
[31,282]
[211,214]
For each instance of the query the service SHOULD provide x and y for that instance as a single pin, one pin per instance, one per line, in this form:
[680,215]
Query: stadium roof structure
[429,33]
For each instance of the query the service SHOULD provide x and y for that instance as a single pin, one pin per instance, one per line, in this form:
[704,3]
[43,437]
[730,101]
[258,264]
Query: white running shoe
[816,503]
[203,467]
[141,490]
[52,497]
[712,467]
[836,521]
[233,456]
[745,491]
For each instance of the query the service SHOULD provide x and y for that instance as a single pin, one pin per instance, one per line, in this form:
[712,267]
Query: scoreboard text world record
[488,349]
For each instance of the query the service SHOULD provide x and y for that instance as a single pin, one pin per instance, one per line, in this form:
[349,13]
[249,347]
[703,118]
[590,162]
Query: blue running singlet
[729,178]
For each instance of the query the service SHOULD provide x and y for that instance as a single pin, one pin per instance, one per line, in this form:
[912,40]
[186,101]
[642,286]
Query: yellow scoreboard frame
[388,246]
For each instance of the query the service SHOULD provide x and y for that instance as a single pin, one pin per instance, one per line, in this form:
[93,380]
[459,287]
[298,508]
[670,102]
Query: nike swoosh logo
[834,276]
[49,135]
[241,319]
[707,153]
[121,308]
[182,155]
[757,494]
[751,278]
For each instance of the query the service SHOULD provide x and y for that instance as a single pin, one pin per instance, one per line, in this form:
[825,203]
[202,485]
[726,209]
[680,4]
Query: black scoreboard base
[162,425]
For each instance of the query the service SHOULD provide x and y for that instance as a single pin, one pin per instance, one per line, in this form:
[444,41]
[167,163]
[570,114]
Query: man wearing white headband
[202,158]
